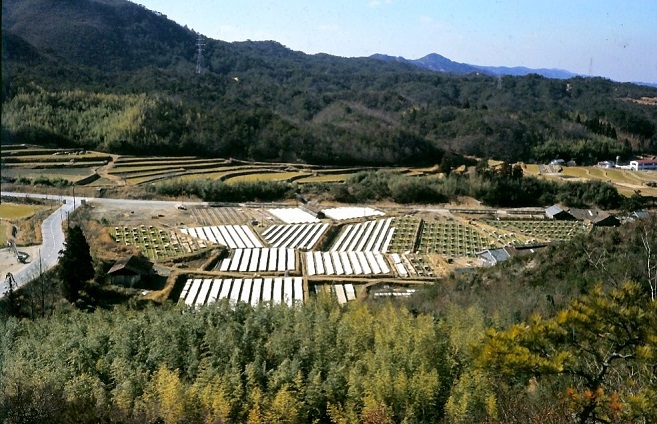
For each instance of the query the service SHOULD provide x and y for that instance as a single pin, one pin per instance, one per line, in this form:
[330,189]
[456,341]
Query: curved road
[53,241]
[53,234]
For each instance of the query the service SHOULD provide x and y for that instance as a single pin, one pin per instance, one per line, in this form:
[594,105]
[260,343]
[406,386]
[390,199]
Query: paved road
[53,234]
[53,241]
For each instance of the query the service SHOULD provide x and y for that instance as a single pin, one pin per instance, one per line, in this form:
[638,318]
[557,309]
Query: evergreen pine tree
[75,264]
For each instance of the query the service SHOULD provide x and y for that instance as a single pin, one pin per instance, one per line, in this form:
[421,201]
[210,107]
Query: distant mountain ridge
[437,63]
[112,75]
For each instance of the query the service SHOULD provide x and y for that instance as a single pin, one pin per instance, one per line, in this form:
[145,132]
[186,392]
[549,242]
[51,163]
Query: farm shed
[129,271]
[490,257]
[559,213]
[640,215]
[595,217]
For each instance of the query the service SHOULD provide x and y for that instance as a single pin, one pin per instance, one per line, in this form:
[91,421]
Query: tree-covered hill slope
[260,100]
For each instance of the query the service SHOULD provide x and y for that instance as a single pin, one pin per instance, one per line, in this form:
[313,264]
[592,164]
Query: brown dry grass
[5,232]
[29,229]
[651,101]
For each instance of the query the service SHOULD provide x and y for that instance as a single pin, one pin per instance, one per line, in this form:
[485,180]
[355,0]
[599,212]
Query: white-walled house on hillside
[643,165]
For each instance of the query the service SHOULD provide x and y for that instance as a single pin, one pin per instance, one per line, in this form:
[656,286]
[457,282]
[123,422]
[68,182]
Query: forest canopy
[262,101]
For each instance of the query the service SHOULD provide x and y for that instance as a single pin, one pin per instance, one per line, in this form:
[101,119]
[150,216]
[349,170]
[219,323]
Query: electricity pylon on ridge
[200,45]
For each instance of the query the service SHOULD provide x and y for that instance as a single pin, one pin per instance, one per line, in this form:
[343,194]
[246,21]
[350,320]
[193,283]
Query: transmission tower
[199,54]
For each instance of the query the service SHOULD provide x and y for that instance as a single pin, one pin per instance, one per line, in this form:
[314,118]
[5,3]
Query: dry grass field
[627,182]
[16,211]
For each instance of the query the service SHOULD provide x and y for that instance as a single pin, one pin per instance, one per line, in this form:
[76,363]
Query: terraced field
[328,178]
[267,176]
[626,181]
[404,237]
[156,243]
[536,230]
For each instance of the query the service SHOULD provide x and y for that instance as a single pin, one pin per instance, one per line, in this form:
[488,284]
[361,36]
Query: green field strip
[266,176]
[56,159]
[149,173]
[13,211]
[36,174]
[102,181]
[576,172]
[190,162]
[151,159]
[154,178]
[330,178]
[53,165]
[213,173]
[174,165]
[26,151]
[68,171]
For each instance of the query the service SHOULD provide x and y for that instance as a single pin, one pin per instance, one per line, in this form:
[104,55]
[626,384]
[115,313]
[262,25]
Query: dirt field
[8,262]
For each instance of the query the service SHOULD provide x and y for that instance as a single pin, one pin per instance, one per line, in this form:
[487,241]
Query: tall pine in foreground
[75,264]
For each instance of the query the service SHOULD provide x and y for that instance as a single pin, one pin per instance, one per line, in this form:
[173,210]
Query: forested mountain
[134,72]
[438,63]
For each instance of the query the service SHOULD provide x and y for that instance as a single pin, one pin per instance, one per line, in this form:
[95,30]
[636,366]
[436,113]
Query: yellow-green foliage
[89,119]
[328,178]
[604,343]
[220,364]
[14,211]
[268,176]
[4,227]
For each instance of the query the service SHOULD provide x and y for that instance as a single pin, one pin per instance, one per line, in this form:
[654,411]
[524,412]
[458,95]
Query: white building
[643,164]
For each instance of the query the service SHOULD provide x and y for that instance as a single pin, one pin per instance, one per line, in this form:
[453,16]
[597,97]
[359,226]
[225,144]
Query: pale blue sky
[615,39]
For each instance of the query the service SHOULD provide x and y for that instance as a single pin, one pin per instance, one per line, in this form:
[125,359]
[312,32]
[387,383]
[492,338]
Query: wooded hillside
[260,100]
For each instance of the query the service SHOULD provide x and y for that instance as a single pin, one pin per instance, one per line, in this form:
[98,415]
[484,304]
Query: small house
[643,164]
[130,271]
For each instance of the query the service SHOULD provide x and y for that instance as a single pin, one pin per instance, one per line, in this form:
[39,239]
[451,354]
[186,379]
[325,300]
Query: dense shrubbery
[219,191]
[491,188]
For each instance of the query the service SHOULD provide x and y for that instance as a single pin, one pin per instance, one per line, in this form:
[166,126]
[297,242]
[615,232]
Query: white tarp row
[399,265]
[260,260]
[346,263]
[295,235]
[233,236]
[350,212]
[373,236]
[288,290]
[293,215]
[343,292]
